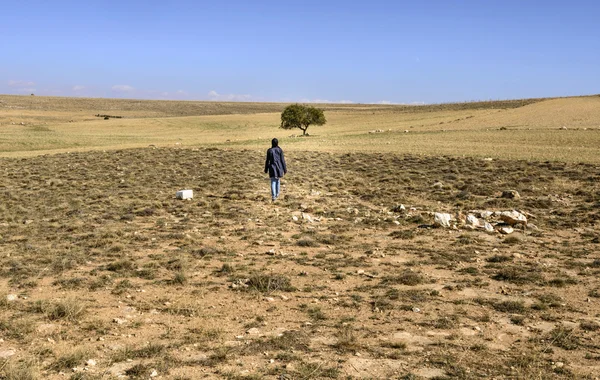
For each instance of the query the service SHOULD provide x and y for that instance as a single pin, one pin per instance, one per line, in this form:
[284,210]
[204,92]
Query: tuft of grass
[347,341]
[69,360]
[511,240]
[24,369]
[564,338]
[307,243]
[179,279]
[499,259]
[518,275]
[589,326]
[267,283]
[68,309]
[316,314]
[405,278]
[510,306]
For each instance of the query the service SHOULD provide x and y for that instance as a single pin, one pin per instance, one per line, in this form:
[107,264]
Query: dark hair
[274,143]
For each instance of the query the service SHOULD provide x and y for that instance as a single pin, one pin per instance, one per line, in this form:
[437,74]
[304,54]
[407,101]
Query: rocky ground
[105,274]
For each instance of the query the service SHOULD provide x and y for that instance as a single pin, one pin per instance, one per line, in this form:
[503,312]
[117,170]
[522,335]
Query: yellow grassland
[533,131]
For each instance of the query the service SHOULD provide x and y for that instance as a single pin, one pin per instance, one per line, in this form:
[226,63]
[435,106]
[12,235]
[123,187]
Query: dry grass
[528,129]
[101,262]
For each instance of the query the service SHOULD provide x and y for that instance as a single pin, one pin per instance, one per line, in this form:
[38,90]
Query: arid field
[104,274]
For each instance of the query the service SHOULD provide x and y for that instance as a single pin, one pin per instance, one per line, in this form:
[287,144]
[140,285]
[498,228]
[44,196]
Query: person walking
[275,166]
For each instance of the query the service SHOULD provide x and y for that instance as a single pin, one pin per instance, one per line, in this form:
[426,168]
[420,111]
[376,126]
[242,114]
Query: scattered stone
[153,373]
[441,220]
[472,221]
[253,331]
[430,373]
[564,128]
[269,299]
[47,328]
[438,185]
[12,297]
[506,230]
[185,194]
[5,354]
[513,217]
[400,209]
[416,310]
[511,194]
[90,363]
[488,228]
[307,217]
[119,321]
[294,218]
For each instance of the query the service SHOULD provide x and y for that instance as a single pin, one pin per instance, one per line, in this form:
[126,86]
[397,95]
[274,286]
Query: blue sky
[336,51]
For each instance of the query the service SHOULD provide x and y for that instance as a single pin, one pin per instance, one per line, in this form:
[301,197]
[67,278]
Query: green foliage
[300,116]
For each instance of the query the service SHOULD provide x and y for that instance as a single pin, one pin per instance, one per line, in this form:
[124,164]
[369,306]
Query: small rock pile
[489,221]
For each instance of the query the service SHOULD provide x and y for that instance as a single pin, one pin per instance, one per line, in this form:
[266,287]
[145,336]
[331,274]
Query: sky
[377,51]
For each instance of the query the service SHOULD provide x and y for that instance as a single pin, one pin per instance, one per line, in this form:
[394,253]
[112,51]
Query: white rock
[294,218]
[507,230]
[185,194]
[5,354]
[12,297]
[416,310]
[488,228]
[486,214]
[119,321]
[90,363]
[513,217]
[154,373]
[253,331]
[307,217]
[472,221]
[441,219]
[511,194]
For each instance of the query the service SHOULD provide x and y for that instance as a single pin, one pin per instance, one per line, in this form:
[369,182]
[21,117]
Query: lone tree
[299,116]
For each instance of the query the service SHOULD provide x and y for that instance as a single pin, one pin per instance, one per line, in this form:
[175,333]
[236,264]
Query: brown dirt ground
[107,265]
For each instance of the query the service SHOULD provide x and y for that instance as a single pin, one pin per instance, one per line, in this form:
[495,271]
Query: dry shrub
[267,283]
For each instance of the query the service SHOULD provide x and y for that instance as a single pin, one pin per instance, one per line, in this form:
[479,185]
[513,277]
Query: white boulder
[488,228]
[441,219]
[513,217]
[185,194]
[472,221]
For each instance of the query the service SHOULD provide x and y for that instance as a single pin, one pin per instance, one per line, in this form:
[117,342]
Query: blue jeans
[275,184]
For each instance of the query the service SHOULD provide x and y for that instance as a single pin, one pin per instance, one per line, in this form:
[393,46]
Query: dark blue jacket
[275,163]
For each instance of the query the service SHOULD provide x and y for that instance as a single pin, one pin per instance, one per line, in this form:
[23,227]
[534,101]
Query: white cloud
[213,95]
[26,90]
[20,83]
[122,88]
[78,88]
[384,102]
[326,101]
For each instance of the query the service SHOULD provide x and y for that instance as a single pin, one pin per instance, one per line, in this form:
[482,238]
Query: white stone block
[185,194]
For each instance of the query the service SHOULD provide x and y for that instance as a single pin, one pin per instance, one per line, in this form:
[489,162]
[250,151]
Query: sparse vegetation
[99,261]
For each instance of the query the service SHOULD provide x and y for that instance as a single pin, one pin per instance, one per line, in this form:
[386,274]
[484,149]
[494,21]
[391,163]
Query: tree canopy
[300,116]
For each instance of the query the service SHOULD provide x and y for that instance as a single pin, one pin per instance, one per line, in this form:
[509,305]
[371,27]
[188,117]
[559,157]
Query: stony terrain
[106,275]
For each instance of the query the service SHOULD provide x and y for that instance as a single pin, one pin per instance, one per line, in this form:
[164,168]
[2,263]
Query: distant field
[532,129]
